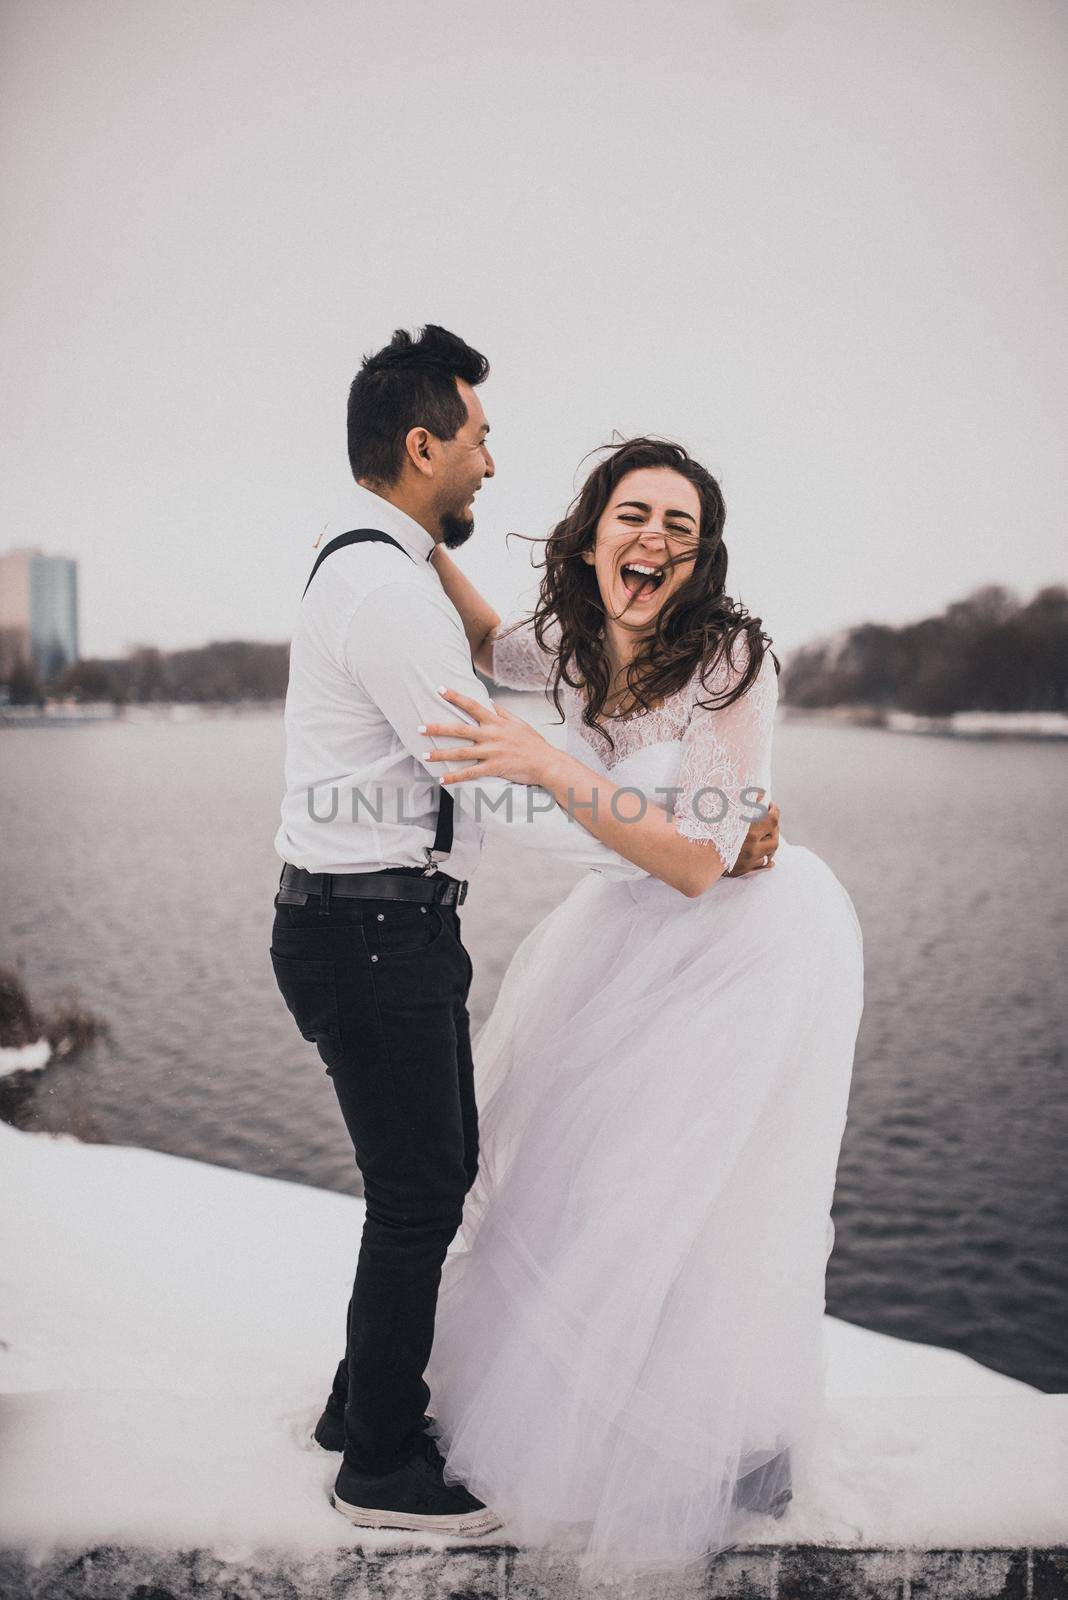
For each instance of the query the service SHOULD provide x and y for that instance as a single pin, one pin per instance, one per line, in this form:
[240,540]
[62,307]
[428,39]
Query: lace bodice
[703,765]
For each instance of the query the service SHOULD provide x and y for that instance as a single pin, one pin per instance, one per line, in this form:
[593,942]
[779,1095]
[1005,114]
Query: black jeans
[380,987]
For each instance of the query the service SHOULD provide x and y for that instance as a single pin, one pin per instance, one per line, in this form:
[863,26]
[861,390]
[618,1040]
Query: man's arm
[403,644]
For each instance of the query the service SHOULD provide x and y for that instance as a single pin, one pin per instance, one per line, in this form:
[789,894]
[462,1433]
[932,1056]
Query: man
[366,943]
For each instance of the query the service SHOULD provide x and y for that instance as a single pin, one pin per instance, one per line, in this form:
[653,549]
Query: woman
[628,1353]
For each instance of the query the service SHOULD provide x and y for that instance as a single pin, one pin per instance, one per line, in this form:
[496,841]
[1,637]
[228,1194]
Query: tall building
[38,611]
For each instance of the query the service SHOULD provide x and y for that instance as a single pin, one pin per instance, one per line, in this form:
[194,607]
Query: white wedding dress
[631,1320]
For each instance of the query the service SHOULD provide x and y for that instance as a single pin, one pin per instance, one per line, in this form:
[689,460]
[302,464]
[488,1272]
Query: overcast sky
[821,242]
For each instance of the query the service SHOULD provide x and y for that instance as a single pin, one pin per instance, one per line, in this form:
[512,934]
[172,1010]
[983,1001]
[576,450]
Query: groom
[366,942]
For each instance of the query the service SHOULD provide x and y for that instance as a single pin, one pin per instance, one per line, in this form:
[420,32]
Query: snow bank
[169,1329]
[984,724]
[24,1057]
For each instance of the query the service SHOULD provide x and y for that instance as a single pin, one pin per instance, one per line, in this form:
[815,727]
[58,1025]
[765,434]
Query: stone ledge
[788,1572]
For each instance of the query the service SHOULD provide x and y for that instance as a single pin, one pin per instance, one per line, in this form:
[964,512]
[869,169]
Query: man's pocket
[309,989]
[403,929]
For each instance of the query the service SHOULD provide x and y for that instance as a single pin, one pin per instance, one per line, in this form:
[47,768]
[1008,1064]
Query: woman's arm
[502,745]
[630,824]
[508,652]
[477,615]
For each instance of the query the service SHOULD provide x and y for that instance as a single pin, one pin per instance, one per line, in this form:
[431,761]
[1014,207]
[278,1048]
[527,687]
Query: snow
[984,724]
[24,1057]
[169,1329]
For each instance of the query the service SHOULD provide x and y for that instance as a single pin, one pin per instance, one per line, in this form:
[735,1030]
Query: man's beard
[456,530]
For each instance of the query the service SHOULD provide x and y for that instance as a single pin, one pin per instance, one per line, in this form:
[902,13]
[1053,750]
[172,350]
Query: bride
[628,1357]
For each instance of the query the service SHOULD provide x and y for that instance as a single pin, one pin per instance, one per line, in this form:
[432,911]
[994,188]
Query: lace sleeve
[519,662]
[725,754]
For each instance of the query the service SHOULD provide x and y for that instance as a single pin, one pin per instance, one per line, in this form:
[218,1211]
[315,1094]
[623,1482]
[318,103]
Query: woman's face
[654,515]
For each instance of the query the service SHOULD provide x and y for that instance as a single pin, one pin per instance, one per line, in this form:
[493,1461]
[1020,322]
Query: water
[137,865]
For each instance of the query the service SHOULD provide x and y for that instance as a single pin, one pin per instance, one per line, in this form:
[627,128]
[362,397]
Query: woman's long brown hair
[697,627]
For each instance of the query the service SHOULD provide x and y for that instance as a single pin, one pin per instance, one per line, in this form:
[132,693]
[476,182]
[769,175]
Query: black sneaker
[414,1497]
[329,1431]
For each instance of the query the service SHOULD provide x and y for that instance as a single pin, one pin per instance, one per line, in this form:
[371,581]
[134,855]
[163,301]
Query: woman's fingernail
[442,689]
[421,728]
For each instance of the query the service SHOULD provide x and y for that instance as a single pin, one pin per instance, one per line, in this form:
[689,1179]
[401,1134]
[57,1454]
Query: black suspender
[443,832]
[357,536]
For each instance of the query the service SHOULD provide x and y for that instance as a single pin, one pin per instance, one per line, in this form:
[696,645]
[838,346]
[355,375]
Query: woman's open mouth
[641,579]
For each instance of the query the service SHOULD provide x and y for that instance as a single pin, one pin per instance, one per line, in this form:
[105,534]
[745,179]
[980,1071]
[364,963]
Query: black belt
[296,884]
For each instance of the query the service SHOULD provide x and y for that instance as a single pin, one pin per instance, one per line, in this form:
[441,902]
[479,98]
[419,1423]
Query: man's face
[465,462]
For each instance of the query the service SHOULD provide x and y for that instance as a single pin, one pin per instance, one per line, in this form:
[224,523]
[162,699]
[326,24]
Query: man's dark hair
[409,384]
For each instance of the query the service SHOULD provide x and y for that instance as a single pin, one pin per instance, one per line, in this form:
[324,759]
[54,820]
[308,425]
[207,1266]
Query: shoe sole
[468,1522]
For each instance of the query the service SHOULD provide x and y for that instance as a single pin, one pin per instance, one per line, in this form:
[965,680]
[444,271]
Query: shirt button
[423,910]
[381,916]
[374,958]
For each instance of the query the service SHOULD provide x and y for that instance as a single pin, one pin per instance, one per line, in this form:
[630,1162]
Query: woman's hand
[499,744]
[759,845]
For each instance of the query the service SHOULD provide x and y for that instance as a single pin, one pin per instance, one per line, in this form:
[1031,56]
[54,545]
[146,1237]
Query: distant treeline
[226,671]
[988,652]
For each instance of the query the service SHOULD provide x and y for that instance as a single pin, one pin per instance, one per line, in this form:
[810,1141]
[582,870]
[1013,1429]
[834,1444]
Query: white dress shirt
[376,639]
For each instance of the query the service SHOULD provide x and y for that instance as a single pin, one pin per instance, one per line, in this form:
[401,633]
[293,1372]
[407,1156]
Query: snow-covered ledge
[24,1057]
[166,1328]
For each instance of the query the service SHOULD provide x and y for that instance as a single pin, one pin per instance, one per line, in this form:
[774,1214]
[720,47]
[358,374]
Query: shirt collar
[375,512]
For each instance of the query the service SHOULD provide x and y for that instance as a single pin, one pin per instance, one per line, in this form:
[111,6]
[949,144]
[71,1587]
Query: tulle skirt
[628,1362]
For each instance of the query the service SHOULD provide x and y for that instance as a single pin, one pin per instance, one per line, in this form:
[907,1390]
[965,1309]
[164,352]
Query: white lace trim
[518,660]
[665,724]
[723,751]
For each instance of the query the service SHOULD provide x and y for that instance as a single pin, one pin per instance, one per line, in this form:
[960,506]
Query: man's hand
[759,846]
